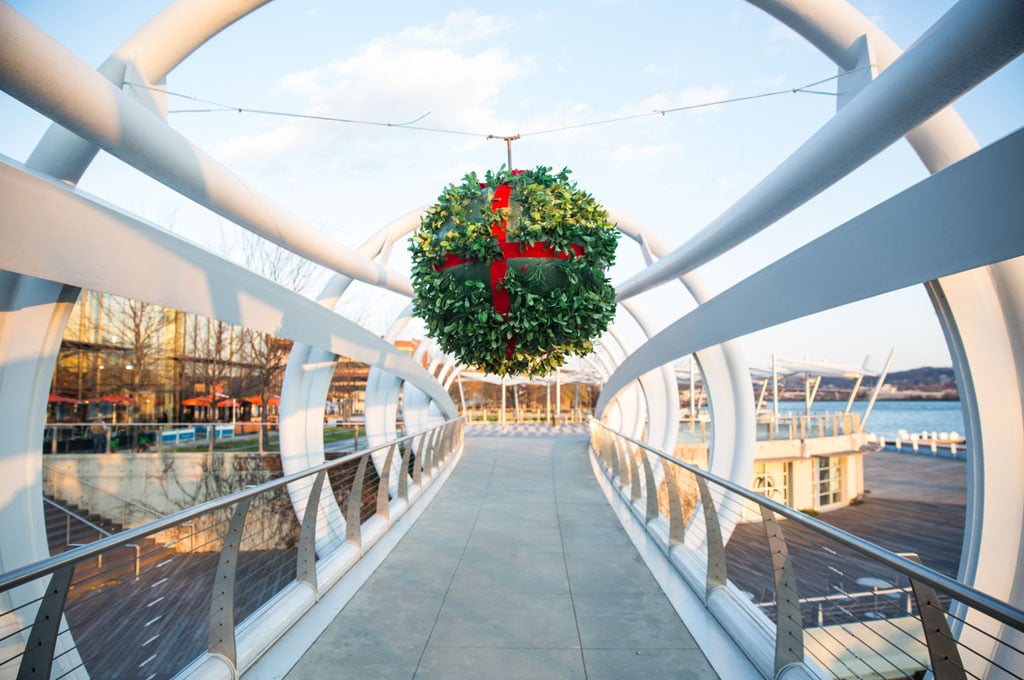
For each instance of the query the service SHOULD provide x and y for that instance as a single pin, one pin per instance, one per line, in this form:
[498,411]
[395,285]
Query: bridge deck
[518,569]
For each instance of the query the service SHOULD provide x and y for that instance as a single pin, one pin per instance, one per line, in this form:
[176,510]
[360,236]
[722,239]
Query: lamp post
[129,411]
[99,385]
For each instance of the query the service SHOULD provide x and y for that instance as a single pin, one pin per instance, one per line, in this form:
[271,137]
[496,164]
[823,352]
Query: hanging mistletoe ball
[509,272]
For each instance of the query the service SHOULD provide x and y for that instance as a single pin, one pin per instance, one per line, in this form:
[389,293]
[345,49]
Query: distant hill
[924,381]
[924,378]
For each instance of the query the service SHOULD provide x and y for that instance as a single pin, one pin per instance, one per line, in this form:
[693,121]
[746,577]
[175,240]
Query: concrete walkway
[518,569]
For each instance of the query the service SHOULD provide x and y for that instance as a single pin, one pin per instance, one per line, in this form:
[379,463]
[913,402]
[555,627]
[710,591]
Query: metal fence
[140,437]
[802,596]
[211,587]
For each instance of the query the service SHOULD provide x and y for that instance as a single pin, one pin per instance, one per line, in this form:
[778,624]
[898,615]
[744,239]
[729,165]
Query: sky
[525,68]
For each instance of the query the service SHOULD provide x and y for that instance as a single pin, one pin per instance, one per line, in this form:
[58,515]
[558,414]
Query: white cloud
[690,96]
[451,70]
[458,28]
[281,140]
[397,77]
[637,153]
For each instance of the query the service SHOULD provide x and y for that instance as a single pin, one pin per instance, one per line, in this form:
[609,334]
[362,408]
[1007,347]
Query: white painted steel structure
[957,233]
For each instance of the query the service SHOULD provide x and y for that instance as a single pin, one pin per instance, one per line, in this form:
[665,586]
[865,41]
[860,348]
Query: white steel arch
[978,310]
[982,344]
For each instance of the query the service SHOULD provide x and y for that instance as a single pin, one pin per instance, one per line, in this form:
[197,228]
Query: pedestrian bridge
[554,554]
[250,583]
[518,568]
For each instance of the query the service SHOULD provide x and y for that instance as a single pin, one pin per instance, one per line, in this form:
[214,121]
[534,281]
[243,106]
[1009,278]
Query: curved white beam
[980,313]
[49,232]
[152,52]
[972,41]
[663,405]
[963,217]
[725,372]
[309,370]
[39,309]
[42,74]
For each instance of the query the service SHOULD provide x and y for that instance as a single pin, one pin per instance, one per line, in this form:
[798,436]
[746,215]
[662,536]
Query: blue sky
[489,68]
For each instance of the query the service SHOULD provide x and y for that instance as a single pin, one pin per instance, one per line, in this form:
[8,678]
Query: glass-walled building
[132,361]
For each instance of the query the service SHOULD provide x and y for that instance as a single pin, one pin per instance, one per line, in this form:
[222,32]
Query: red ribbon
[509,249]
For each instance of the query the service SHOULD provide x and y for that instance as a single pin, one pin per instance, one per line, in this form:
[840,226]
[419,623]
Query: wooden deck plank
[913,503]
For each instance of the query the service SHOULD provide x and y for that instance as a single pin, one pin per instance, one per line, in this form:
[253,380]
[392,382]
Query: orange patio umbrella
[113,399]
[258,401]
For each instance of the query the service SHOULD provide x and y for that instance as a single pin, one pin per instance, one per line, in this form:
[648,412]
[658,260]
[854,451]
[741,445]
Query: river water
[889,417]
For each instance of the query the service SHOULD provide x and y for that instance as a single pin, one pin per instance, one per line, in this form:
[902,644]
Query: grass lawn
[271,441]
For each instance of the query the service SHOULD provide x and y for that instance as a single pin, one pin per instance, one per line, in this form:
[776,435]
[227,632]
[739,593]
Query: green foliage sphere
[559,300]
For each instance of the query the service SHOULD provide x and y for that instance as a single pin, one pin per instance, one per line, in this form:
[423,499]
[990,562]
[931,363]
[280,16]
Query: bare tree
[268,354]
[137,328]
[214,351]
[277,264]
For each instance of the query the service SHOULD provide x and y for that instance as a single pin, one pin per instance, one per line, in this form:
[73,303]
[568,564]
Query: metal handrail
[75,515]
[42,568]
[984,603]
[95,527]
[135,504]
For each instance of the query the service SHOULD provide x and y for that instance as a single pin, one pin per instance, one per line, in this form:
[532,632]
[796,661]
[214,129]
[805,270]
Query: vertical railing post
[439,451]
[353,518]
[428,458]
[403,477]
[608,451]
[634,472]
[652,487]
[221,633]
[37,660]
[428,452]
[417,467]
[942,648]
[676,520]
[449,444]
[306,562]
[789,628]
[717,573]
[435,456]
[383,497]
[620,471]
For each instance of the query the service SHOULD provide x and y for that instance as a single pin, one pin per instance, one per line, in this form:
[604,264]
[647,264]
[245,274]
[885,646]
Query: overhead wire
[411,124]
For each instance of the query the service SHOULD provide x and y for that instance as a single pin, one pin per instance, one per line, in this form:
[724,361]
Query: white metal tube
[972,41]
[878,388]
[42,74]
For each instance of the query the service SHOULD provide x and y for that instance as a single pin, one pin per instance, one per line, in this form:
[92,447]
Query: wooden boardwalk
[913,503]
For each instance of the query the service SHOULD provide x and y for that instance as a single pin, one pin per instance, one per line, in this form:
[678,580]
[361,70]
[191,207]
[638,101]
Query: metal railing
[61,484]
[95,528]
[143,437]
[801,596]
[261,556]
[818,425]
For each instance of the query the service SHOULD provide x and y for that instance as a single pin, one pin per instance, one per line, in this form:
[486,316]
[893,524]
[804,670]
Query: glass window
[829,481]
[771,480]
